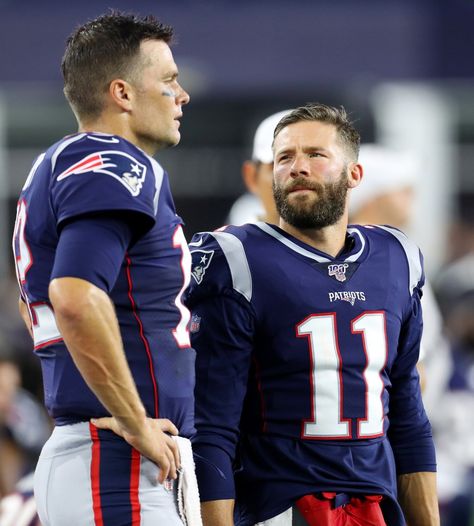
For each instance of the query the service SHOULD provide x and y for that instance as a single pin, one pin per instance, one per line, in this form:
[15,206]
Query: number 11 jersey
[306,365]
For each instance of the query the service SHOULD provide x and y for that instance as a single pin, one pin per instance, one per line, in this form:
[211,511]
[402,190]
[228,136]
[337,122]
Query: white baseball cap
[262,142]
[385,170]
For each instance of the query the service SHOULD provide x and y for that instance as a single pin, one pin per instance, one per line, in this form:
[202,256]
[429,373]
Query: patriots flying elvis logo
[119,165]
[201,261]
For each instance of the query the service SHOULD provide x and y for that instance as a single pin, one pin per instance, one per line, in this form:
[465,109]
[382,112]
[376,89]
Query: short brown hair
[328,114]
[100,51]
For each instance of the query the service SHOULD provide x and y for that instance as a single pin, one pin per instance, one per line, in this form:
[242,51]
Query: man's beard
[324,211]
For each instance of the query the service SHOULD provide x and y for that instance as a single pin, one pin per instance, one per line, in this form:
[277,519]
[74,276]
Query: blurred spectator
[16,338]
[455,290]
[24,427]
[19,508]
[387,196]
[10,456]
[258,204]
[387,192]
[461,235]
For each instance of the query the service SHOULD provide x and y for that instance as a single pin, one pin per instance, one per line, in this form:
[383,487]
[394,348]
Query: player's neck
[273,219]
[364,219]
[330,239]
[116,126]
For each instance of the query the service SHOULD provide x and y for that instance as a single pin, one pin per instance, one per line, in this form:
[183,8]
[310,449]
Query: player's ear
[120,92]
[249,175]
[355,174]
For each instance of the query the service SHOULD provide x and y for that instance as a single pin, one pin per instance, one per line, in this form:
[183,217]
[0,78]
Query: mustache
[302,184]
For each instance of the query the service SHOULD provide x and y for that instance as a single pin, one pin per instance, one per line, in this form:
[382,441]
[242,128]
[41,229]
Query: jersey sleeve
[92,249]
[93,177]
[222,334]
[410,430]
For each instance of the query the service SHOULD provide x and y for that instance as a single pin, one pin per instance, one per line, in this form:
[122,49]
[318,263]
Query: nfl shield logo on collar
[195,324]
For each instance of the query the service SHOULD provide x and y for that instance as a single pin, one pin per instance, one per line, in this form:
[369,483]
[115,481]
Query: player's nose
[300,166]
[183,96]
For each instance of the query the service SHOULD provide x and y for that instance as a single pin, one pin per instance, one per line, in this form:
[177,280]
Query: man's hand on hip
[152,441]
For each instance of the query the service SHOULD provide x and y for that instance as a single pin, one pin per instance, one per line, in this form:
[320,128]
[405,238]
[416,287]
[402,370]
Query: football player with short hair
[102,263]
[307,337]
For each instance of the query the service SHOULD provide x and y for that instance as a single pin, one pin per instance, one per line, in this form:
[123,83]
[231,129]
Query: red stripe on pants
[134,484]
[95,476]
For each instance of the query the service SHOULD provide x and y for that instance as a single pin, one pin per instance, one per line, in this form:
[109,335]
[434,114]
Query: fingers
[164,466]
[170,462]
[173,456]
[167,459]
[153,442]
[173,473]
[166,425]
[105,422]
[176,456]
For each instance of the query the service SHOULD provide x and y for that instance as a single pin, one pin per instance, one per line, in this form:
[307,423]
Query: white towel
[189,506]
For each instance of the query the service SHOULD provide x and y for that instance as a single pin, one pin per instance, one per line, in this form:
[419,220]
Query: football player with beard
[308,404]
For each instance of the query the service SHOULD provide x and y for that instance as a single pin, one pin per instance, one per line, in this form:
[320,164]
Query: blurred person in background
[24,428]
[102,263]
[18,508]
[24,425]
[11,457]
[258,203]
[454,288]
[388,195]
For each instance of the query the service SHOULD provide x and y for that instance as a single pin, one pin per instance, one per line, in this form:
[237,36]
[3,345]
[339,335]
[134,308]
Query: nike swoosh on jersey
[103,139]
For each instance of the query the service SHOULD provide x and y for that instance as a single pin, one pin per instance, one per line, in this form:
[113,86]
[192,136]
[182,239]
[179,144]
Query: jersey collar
[354,247]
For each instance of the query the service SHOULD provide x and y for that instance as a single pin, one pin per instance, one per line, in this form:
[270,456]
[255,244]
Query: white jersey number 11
[327,419]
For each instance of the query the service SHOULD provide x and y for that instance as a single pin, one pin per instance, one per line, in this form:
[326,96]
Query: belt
[338,499]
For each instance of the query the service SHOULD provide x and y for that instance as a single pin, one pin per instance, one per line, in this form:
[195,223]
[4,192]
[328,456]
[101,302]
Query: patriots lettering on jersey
[201,261]
[350,296]
[119,165]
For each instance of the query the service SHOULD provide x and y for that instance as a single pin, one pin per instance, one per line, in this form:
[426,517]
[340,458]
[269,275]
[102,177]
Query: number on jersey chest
[327,420]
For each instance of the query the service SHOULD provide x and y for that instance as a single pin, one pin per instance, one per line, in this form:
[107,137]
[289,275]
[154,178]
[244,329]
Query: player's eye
[171,79]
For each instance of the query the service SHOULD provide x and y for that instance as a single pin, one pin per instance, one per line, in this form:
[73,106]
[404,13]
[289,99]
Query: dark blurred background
[241,61]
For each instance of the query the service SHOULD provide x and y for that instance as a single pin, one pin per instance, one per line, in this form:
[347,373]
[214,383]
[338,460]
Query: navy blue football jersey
[90,173]
[306,374]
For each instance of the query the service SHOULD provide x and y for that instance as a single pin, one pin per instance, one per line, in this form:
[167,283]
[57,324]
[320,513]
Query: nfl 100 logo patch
[338,271]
